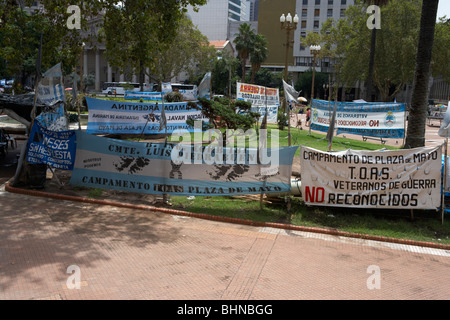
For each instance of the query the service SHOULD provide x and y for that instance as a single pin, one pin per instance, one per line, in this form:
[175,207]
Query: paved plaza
[57,250]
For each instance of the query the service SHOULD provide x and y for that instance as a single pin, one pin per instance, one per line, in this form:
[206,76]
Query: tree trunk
[415,136]
[369,86]
[141,75]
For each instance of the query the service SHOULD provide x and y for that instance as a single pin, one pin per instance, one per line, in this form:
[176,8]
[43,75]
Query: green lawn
[422,226]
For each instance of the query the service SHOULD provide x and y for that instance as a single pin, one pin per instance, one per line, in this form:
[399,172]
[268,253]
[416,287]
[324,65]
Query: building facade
[213,19]
[312,14]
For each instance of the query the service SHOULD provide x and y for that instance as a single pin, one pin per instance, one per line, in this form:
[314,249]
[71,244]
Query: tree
[441,51]
[369,85]
[137,30]
[258,54]
[303,83]
[189,51]
[415,136]
[21,32]
[244,44]
[224,73]
[347,40]
[222,113]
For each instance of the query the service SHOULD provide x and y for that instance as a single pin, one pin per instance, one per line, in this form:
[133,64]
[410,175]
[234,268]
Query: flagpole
[444,180]
[264,121]
[165,196]
[330,143]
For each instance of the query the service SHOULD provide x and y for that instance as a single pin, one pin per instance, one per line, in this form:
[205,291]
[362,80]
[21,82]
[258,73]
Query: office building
[213,19]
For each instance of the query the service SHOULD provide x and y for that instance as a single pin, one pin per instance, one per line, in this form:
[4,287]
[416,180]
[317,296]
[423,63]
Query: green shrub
[173,97]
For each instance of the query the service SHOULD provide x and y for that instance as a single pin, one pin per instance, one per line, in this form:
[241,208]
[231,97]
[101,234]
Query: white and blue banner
[382,120]
[54,119]
[51,89]
[122,117]
[148,168]
[137,95]
[204,88]
[55,148]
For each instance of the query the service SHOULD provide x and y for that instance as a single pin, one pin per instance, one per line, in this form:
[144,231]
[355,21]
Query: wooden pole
[444,180]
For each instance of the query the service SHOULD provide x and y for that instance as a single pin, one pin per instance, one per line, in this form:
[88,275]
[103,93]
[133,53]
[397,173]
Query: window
[343,2]
[316,24]
[330,13]
[305,2]
[303,23]
[303,34]
[330,2]
[317,2]
[304,13]
[342,13]
[316,12]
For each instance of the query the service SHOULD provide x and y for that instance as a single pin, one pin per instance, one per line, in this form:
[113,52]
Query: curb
[227,219]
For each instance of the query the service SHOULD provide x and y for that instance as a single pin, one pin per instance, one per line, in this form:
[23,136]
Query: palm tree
[373,41]
[415,136]
[258,54]
[244,43]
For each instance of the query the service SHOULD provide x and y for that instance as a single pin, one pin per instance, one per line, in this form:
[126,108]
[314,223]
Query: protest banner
[122,117]
[54,118]
[150,168]
[136,95]
[51,88]
[382,120]
[55,148]
[260,97]
[399,179]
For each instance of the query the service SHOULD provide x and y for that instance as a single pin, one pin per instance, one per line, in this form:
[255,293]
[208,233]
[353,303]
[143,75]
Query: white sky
[443,8]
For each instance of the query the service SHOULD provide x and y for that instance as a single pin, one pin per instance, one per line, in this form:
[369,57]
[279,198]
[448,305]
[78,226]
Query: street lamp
[289,24]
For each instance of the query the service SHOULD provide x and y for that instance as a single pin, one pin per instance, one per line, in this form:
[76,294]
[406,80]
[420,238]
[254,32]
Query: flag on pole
[264,121]
[290,93]
[204,88]
[51,88]
[162,120]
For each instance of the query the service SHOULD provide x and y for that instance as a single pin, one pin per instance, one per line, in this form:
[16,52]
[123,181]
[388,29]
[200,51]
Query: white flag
[290,93]
[204,88]
[163,120]
[51,89]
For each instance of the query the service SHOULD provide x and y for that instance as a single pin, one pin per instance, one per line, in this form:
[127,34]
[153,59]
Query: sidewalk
[123,253]
[137,253]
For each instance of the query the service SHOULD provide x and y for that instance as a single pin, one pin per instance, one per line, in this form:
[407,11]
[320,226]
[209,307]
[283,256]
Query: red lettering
[314,194]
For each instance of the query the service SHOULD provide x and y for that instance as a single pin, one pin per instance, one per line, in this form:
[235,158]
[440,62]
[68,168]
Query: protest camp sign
[398,179]
[149,168]
[55,148]
[260,97]
[122,117]
[382,120]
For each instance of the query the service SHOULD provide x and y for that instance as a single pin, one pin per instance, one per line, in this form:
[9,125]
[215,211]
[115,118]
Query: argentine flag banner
[122,117]
[381,120]
[165,168]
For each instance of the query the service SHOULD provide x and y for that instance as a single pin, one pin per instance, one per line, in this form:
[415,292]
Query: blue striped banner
[149,168]
[123,117]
